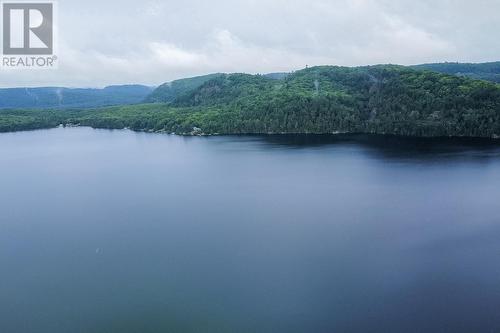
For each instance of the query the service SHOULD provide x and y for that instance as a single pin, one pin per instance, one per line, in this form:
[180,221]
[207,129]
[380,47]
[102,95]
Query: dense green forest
[375,99]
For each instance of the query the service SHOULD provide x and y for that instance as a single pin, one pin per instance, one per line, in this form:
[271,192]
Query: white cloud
[132,42]
[170,55]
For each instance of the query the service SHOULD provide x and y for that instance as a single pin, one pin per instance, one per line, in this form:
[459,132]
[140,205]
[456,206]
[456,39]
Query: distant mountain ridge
[59,97]
[488,71]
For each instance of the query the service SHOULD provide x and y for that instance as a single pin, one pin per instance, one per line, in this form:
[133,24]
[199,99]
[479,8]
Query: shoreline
[494,138]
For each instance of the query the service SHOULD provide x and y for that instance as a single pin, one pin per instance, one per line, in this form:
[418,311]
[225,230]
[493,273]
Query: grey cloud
[152,42]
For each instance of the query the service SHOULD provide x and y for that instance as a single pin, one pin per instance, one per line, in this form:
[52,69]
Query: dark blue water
[115,231]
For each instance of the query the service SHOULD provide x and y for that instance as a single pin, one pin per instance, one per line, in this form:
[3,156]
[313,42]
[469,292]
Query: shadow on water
[394,147]
[388,147]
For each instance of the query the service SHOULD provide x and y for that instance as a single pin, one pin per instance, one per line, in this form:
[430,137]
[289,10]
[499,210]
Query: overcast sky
[104,42]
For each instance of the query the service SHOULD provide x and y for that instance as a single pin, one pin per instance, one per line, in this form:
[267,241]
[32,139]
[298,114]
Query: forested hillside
[169,91]
[375,99]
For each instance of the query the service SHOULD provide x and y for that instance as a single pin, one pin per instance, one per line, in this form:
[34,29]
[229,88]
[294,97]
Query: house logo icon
[28,28]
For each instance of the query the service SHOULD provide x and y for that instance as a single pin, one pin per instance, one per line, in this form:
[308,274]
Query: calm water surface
[115,231]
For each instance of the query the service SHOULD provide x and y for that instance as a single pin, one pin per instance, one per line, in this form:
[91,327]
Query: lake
[116,231]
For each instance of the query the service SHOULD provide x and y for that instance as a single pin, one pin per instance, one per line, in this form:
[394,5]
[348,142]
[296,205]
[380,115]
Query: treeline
[377,99]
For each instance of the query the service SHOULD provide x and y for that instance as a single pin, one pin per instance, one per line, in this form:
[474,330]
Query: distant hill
[383,99]
[489,71]
[169,91]
[179,89]
[56,97]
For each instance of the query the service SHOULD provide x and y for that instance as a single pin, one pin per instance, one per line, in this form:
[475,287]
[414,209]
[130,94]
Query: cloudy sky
[152,41]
